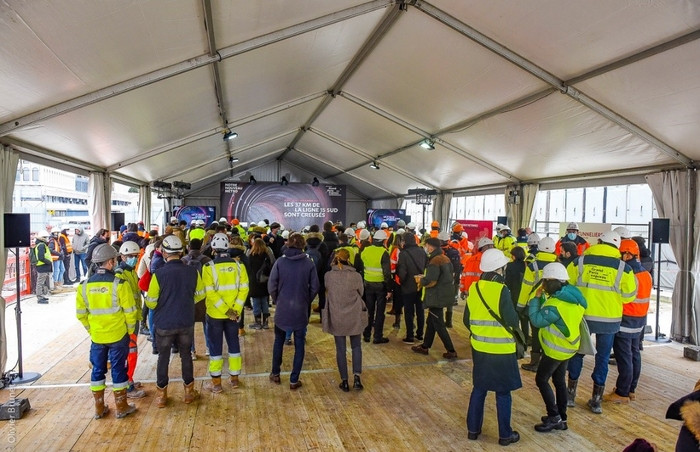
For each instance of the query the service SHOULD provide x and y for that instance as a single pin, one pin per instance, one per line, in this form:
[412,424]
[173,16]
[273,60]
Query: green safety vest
[372,262]
[554,343]
[488,336]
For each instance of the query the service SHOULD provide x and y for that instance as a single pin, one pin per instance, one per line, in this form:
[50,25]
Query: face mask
[131,261]
[571,236]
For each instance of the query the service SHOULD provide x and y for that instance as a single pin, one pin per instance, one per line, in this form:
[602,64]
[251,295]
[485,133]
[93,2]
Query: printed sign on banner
[294,205]
[589,231]
[189,213]
[477,229]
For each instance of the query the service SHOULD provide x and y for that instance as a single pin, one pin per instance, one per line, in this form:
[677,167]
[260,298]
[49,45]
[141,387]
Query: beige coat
[345,313]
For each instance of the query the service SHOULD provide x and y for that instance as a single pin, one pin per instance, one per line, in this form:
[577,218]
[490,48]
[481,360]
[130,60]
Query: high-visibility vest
[47,253]
[554,343]
[106,309]
[132,280]
[55,246]
[487,334]
[470,271]
[394,262]
[372,263]
[532,275]
[605,281]
[69,246]
[226,287]
[505,244]
[197,233]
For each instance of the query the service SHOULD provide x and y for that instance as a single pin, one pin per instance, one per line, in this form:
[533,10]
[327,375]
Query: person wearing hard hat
[504,240]
[634,319]
[438,282]
[556,310]
[125,271]
[531,281]
[378,283]
[360,226]
[226,284]
[44,266]
[67,251]
[364,238]
[470,268]
[434,228]
[172,294]
[533,241]
[606,283]
[490,317]
[573,236]
[105,306]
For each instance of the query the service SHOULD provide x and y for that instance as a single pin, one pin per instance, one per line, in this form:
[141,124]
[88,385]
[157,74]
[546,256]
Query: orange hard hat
[629,246]
[235,222]
[457,227]
[434,224]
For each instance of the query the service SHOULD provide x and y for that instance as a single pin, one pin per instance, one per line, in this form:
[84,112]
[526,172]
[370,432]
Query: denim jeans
[629,363]
[603,346]
[299,350]
[413,307]
[556,370]
[475,412]
[117,354]
[261,305]
[340,355]
[79,262]
[166,338]
[58,270]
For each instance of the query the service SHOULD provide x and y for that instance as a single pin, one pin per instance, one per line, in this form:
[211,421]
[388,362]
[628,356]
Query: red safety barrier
[9,285]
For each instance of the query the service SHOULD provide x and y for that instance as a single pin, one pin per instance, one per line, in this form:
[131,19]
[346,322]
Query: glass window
[35,174]
[25,174]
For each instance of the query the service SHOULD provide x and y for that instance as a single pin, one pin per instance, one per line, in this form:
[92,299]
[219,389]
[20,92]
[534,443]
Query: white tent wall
[8,168]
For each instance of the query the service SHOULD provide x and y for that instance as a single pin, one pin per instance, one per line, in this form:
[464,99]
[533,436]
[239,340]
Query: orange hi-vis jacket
[393,262]
[470,271]
[640,306]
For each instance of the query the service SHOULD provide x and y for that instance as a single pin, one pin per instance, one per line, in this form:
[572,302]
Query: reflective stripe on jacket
[487,334]
[226,286]
[532,275]
[372,263]
[554,343]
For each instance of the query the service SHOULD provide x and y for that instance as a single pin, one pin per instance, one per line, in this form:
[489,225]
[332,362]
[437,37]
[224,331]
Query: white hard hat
[103,252]
[223,220]
[572,225]
[623,231]
[364,234]
[411,226]
[499,226]
[262,224]
[200,222]
[193,222]
[611,238]
[533,239]
[444,236]
[505,227]
[555,270]
[349,231]
[400,224]
[465,235]
[383,225]
[285,234]
[400,231]
[547,244]
[43,234]
[172,244]
[492,260]
[380,235]
[361,225]
[484,241]
[219,241]
[173,219]
[129,248]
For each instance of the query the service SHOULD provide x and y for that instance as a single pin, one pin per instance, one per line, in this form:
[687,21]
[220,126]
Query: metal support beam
[382,29]
[190,64]
[552,80]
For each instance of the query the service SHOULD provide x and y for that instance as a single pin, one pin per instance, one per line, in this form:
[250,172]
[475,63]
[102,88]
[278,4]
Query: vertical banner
[293,205]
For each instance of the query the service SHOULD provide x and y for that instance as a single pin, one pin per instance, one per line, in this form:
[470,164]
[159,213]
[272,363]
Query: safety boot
[161,396]
[233,381]
[596,398]
[190,393]
[534,362]
[571,392]
[266,322]
[215,385]
[100,407]
[615,398]
[123,407]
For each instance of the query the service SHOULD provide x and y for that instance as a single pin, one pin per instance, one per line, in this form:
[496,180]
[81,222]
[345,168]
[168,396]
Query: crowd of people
[541,290]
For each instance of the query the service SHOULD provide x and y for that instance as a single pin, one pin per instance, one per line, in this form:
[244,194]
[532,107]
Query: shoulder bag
[515,332]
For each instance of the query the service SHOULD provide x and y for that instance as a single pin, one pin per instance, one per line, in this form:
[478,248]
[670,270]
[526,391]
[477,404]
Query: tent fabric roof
[509,92]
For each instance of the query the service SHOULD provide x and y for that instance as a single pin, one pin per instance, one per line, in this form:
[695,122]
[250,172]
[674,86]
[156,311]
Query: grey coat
[345,313]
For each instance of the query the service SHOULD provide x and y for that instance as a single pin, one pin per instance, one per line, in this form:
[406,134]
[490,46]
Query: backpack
[33,260]
[263,273]
[196,263]
[315,256]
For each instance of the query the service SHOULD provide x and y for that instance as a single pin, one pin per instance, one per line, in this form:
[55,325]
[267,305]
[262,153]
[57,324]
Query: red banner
[477,229]
[9,285]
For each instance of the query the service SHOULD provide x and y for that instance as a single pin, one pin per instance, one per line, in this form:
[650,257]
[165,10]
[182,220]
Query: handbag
[516,332]
[145,281]
[585,346]
[263,273]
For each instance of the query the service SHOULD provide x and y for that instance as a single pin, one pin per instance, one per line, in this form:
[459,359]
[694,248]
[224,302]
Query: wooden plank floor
[411,402]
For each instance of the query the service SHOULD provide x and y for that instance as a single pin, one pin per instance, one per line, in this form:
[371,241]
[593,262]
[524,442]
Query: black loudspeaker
[16,230]
[117,220]
[660,230]
[502,220]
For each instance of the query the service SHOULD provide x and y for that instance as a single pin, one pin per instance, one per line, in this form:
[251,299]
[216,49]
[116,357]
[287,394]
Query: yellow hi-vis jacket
[605,281]
[129,276]
[487,335]
[105,306]
[372,262]
[554,343]
[533,274]
[196,233]
[226,286]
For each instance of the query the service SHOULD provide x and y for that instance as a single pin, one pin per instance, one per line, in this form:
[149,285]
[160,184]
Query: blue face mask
[571,236]
[131,262]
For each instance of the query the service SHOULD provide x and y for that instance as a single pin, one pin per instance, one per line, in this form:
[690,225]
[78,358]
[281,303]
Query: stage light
[253,181]
[374,165]
[428,144]
[182,185]
[315,182]
[229,135]
[284,181]
[162,185]
[233,160]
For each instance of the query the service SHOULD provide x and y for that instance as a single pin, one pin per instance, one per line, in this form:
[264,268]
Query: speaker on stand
[660,234]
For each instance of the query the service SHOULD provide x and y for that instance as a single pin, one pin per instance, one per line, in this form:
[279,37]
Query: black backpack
[315,256]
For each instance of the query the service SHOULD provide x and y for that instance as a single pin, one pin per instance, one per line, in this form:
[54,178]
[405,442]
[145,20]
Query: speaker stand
[658,336]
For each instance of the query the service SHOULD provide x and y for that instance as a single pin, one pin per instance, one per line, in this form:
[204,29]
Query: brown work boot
[615,398]
[215,385]
[123,407]
[161,396]
[190,393]
[233,381]
[100,407]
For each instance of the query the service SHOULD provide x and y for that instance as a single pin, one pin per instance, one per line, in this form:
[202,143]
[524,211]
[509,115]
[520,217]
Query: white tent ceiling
[509,91]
